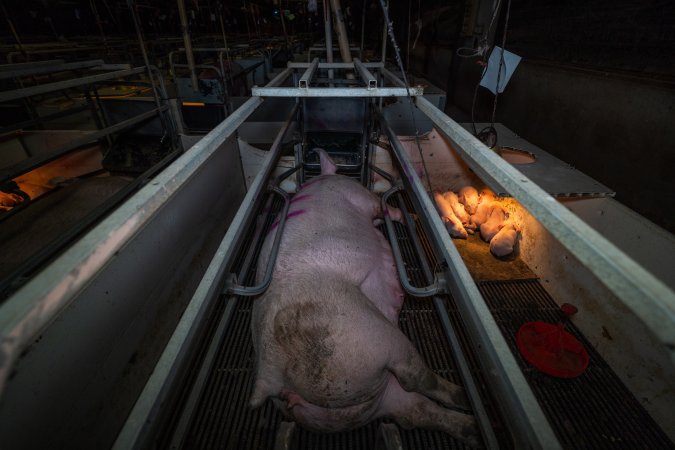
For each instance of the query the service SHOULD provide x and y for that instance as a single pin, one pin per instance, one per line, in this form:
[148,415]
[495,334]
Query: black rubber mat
[594,410]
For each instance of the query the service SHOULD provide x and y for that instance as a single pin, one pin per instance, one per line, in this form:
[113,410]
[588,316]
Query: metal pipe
[5,74]
[148,67]
[29,65]
[188,44]
[94,9]
[309,73]
[384,39]
[41,120]
[438,286]
[365,74]
[232,288]
[283,26]
[335,65]
[59,85]
[363,25]
[334,92]
[341,30]
[14,33]
[328,29]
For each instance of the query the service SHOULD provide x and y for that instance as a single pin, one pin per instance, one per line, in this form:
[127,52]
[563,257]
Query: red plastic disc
[551,349]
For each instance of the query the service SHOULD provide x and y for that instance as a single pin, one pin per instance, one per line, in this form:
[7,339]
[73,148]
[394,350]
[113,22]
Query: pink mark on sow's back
[291,214]
[297,198]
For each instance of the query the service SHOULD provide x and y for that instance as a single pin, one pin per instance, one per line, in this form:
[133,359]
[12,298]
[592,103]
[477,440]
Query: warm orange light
[9,200]
[45,178]
[193,104]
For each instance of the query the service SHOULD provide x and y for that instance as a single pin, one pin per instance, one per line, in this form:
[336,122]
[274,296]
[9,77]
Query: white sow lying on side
[328,348]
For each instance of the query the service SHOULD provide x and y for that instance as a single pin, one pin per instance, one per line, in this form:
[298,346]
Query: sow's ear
[328,167]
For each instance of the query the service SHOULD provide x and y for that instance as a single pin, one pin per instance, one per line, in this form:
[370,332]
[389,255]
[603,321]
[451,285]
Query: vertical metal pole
[228,106]
[384,39]
[328,28]
[14,32]
[188,44]
[363,26]
[341,31]
[407,53]
[283,24]
[94,9]
[137,25]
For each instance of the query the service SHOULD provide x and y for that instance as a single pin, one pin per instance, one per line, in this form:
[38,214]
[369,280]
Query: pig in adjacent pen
[328,348]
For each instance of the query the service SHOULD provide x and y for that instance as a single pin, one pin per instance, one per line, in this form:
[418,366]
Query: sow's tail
[328,167]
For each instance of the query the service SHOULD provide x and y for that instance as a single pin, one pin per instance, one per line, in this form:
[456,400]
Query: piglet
[503,243]
[483,209]
[452,223]
[468,196]
[495,221]
[457,207]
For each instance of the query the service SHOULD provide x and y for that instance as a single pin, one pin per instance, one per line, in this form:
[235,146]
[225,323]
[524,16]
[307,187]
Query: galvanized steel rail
[518,404]
[59,85]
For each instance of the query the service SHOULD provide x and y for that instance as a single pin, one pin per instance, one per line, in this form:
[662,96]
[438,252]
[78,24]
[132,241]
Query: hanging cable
[488,135]
[397,53]
[501,60]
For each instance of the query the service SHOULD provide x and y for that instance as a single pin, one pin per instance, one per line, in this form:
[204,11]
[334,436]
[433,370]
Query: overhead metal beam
[640,291]
[335,92]
[335,65]
[59,85]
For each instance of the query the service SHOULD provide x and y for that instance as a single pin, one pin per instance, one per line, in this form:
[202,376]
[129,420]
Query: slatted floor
[593,411]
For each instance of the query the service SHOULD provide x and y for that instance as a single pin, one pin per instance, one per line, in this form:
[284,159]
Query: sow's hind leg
[414,410]
[410,396]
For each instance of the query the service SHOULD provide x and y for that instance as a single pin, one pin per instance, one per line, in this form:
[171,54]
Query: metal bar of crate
[365,74]
[39,70]
[306,77]
[59,85]
[335,92]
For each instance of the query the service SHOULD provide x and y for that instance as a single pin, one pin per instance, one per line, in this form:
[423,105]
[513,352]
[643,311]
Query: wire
[501,60]
[490,131]
[390,31]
